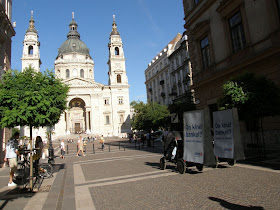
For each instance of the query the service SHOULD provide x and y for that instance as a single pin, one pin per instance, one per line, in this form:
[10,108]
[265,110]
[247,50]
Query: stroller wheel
[181,166]
[162,163]
[231,162]
[199,167]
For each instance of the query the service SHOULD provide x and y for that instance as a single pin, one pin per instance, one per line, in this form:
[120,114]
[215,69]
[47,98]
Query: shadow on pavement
[229,205]
[14,194]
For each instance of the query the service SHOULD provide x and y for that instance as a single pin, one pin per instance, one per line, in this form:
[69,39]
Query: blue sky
[145,26]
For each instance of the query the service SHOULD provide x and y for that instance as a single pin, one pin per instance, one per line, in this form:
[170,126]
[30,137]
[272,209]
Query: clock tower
[31,48]
[117,72]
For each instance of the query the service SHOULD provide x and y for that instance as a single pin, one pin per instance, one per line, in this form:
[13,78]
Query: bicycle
[40,171]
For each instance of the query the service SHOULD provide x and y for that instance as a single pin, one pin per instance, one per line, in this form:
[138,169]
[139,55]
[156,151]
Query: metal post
[135,143]
[51,151]
[109,148]
[93,150]
[139,144]
[85,148]
[67,148]
[123,148]
[77,148]
[119,145]
[153,143]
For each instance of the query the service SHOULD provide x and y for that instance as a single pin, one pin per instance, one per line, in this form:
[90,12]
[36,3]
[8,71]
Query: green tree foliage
[254,96]
[31,99]
[149,116]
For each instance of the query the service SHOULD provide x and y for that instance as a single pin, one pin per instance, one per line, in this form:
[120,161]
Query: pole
[119,145]
[93,149]
[51,152]
[67,149]
[109,148]
[31,160]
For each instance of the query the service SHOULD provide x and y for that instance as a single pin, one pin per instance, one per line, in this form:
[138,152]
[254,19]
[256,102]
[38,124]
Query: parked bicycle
[40,171]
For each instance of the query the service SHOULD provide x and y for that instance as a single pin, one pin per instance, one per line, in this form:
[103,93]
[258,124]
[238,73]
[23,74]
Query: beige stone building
[227,38]
[6,33]
[168,76]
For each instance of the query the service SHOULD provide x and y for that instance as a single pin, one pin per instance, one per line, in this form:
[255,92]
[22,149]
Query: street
[131,179]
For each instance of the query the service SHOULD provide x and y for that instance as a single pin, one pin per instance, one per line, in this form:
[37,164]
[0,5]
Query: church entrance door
[77,127]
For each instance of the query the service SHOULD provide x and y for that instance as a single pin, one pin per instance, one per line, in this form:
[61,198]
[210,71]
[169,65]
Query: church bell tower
[117,72]
[31,48]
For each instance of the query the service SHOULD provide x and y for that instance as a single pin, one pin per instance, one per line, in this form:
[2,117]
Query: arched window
[30,50]
[67,73]
[117,51]
[82,73]
[119,78]
[107,120]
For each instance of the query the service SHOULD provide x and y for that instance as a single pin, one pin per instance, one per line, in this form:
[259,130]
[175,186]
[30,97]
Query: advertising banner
[194,136]
[223,134]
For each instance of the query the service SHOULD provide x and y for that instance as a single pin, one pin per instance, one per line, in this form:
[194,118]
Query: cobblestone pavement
[131,179]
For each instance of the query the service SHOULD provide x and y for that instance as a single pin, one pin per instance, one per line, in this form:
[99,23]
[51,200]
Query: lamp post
[51,151]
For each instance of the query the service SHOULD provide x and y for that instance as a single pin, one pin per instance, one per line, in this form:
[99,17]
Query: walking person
[80,147]
[39,147]
[102,142]
[11,156]
[62,148]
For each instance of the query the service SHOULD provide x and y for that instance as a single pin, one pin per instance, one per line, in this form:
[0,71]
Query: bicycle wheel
[45,170]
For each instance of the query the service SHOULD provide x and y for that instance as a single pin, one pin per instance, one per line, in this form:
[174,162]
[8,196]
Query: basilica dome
[73,44]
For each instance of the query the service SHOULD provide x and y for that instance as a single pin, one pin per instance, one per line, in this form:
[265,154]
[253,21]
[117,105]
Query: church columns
[88,130]
[67,122]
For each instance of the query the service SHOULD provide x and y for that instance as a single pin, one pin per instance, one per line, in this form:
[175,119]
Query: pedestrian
[11,154]
[62,149]
[102,142]
[39,147]
[80,147]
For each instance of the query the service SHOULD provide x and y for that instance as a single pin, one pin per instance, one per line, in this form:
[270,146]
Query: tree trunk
[31,160]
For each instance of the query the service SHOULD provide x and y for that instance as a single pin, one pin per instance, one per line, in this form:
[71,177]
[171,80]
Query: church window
[82,73]
[117,51]
[67,73]
[107,120]
[106,101]
[120,100]
[119,78]
[30,50]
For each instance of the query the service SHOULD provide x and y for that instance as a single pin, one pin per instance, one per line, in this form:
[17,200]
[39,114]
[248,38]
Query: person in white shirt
[11,156]
[62,147]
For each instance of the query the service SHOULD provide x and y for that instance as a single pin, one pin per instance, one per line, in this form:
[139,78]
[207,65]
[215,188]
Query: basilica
[93,108]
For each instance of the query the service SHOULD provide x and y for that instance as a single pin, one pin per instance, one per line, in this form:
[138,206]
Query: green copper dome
[73,42]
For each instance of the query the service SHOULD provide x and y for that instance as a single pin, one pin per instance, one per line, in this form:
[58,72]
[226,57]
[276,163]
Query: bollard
[85,148]
[109,148]
[123,148]
[139,144]
[67,148]
[153,143]
[93,151]
[119,145]
[135,143]
[77,148]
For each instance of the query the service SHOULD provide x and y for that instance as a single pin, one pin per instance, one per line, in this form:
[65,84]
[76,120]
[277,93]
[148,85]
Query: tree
[254,96]
[31,99]
[150,116]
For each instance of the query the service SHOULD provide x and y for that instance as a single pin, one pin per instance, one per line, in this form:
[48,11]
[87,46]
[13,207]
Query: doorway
[77,128]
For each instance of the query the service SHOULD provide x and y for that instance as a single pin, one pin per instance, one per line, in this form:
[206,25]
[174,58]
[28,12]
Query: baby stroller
[173,151]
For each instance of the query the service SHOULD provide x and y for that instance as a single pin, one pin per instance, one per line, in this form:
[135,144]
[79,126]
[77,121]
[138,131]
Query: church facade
[93,108]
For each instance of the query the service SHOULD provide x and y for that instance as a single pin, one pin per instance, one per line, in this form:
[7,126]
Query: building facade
[168,76]
[94,108]
[6,33]
[227,38]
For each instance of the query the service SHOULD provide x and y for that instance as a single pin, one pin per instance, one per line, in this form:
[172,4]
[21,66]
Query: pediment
[79,82]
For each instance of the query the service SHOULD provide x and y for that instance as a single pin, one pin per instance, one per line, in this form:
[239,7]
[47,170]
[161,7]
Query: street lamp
[51,152]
